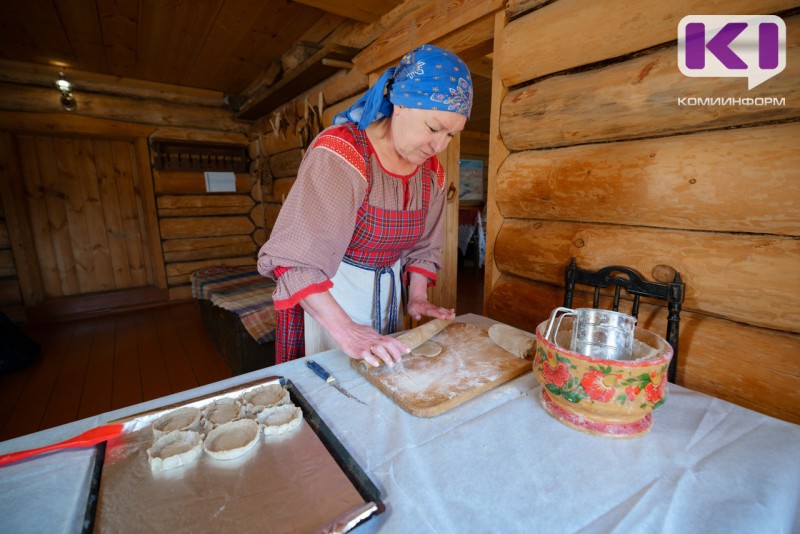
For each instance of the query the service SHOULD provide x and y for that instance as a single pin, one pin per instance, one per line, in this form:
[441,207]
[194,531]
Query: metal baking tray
[303,481]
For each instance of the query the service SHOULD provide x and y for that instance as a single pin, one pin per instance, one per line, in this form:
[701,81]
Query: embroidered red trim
[426,273]
[295,299]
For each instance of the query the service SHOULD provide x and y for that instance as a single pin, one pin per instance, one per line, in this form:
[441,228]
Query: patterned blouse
[317,221]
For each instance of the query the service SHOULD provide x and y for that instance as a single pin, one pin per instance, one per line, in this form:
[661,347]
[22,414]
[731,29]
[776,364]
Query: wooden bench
[236,310]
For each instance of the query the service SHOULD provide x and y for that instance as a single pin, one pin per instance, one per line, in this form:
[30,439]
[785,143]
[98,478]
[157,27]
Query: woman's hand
[362,342]
[418,304]
[357,341]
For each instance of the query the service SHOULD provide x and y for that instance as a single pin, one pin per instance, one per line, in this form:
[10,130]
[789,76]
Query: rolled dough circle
[429,349]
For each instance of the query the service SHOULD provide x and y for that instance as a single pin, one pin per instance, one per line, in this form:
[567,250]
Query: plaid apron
[379,238]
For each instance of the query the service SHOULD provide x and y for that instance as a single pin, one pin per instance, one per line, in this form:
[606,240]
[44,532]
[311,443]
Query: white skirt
[353,289]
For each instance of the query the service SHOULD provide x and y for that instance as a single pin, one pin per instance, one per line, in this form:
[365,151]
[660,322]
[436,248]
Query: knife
[327,377]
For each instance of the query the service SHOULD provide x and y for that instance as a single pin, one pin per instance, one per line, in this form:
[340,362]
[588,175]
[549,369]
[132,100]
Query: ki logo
[744,46]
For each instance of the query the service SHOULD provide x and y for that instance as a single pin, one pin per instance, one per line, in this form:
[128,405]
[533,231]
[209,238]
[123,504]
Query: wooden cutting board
[470,364]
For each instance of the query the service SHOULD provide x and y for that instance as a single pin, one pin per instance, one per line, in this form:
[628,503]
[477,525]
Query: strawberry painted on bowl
[610,398]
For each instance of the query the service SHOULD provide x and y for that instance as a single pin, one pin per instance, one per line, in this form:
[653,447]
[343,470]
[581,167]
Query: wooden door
[83,205]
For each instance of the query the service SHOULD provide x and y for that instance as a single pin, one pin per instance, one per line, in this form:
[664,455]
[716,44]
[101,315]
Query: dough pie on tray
[186,418]
[222,411]
[280,419]
[265,397]
[231,440]
[175,449]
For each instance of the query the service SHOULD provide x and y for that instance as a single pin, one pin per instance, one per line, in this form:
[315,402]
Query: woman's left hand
[418,307]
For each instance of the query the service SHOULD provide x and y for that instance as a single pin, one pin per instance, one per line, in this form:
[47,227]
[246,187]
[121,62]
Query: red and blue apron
[367,282]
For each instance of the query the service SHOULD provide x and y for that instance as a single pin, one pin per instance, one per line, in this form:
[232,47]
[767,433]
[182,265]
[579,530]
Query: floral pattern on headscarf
[428,77]
[442,82]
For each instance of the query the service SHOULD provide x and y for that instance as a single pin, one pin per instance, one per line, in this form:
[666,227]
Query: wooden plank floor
[92,365]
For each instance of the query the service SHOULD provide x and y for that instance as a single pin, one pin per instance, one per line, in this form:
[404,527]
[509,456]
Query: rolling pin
[415,337]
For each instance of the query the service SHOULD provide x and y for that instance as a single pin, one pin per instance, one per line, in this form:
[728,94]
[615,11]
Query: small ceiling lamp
[68,101]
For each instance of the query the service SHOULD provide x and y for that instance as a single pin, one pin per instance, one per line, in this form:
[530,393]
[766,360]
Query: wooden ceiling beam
[366,11]
[426,24]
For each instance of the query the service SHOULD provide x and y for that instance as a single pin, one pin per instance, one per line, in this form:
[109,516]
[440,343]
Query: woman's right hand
[357,341]
[363,343]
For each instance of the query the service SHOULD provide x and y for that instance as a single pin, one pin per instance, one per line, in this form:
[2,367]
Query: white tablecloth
[498,463]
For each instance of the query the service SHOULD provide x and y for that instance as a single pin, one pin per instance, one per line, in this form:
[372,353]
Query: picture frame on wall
[470,180]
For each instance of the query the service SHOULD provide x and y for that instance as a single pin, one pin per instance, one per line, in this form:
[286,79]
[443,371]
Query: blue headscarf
[428,77]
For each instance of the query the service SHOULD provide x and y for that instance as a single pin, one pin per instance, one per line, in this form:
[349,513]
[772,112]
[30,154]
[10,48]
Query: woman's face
[418,134]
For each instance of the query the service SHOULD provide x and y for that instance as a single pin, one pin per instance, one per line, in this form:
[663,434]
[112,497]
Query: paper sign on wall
[220,182]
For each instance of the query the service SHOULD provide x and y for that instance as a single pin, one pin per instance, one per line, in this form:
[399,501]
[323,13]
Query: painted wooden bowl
[611,398]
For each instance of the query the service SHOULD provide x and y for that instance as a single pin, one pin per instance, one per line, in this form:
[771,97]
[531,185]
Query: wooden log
[178,273]
[721,358]
[117,108]
[183,227]
[514,8]
[344,85]
[258,216]
[740,277]
[627,26]
[44,75]
[70,124]
[194,134]
[281,189]
[193,249]
[285,164]
[286,139]
[497,153]
[272,211]
[424,25]
[743,180]
[197,205]
[472,41]
[179,182]
[641,98]
[331,112]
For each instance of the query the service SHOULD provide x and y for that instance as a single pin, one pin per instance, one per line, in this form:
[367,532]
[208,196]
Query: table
[498,463]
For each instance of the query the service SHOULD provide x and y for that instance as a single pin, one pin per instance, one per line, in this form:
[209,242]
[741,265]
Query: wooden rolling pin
[415,337]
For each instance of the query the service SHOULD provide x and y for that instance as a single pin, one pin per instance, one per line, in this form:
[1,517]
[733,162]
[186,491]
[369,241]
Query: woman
[366,214]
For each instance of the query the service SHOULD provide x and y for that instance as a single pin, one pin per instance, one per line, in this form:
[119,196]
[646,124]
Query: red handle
[88,438]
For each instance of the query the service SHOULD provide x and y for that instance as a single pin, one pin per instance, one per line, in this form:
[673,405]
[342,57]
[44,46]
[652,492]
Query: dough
[222,411]
[231,440]
[265,397]
[174,449]
[186,418]
[516,341]
[280,419]
[428,349]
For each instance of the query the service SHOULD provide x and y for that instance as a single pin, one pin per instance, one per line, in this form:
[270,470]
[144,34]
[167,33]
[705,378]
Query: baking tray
[302,481]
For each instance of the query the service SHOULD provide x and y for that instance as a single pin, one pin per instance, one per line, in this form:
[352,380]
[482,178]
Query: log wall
[593,156]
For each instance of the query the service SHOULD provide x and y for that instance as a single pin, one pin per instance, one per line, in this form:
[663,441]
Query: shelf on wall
[198,156]
[328,61]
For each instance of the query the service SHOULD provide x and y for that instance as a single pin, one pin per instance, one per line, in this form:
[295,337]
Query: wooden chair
[634,284]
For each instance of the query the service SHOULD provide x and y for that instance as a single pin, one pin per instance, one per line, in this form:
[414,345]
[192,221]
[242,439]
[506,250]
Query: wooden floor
[93,365]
